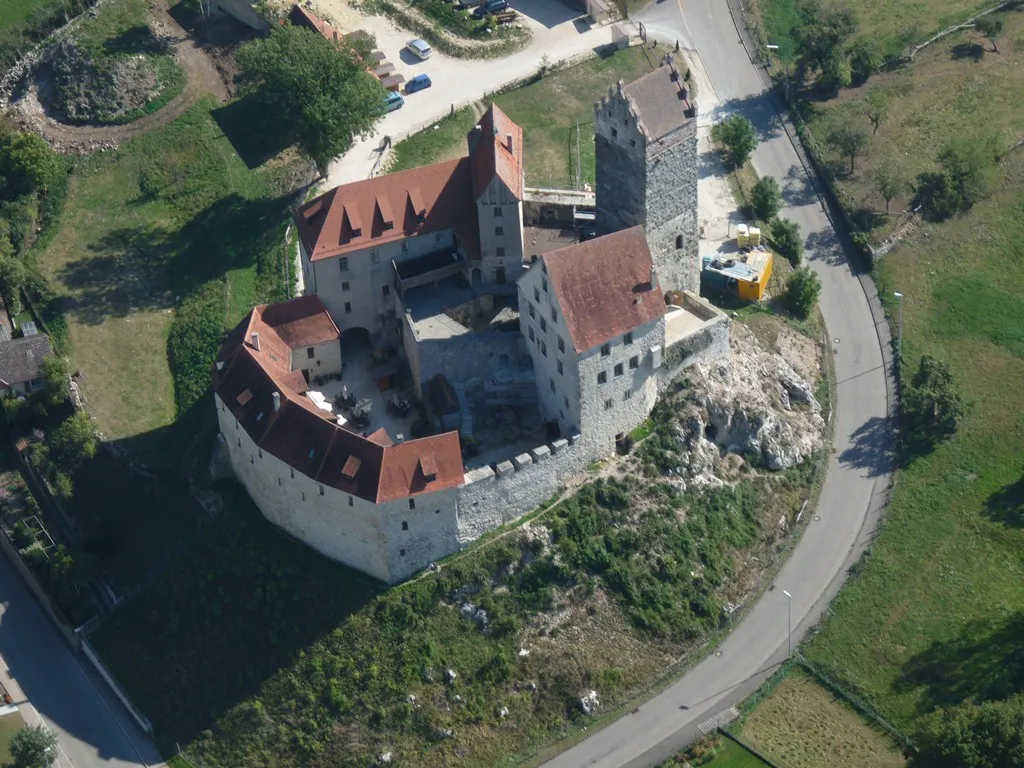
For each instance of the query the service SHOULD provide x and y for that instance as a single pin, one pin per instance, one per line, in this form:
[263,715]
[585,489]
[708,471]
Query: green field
[15,12]
[548,110]
[727,754]
[9,725]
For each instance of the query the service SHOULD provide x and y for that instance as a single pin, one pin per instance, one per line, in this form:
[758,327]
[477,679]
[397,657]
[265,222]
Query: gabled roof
[497,150]
[295,431]
[21,358]
[603,286]
[301,322]
[418,201]
[661,100]
[301,17]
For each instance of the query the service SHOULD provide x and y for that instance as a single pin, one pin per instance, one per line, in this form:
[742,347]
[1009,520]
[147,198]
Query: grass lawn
[14,12]
[936,613]
[9,725]
[548,111]
[802,725]
[732,755]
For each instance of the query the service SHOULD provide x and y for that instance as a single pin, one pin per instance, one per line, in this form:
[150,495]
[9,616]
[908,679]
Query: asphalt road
[857,480]
[92,727]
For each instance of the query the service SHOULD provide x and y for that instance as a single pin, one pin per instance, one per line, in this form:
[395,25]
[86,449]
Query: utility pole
[789,614]
[899,335]
[579,172]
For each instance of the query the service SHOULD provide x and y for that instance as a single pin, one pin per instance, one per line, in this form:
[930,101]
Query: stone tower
[646,147]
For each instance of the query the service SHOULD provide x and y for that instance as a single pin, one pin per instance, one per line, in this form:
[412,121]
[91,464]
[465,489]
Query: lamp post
[789,616]
[899,336]
[785,72]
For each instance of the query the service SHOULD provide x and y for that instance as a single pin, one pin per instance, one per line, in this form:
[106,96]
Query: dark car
[465,5]
[418,83]
[491,6]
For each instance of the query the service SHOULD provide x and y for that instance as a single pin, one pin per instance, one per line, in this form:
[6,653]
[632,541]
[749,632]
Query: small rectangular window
[386,290]
[292,471]
[615,133]
[343,263]
[627,394]
[351,502]
[543,324]
[405,525]
[532,335]
[634,362]
[544,349]
[501,252]
[608,404]
[606,349]
[619,369]
[544,284]
[559,366]
[536,295]
[412,503]
[310,354]
[348,307]
[533,311]
[566,401]
[321,490]
[346,286]
[499,231]
[561,345]
[551,383]
[498,212]
[602,377]
[554,315]
[401,553]
[628,339]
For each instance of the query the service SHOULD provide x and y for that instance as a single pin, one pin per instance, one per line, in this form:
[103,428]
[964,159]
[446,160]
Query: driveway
[858,476]
[456,82]
[92,728]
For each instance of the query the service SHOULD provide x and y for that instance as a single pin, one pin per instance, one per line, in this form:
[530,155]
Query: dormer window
[428,466]
[350,469]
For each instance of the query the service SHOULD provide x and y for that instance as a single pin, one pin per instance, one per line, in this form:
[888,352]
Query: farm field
[802,725]
[548,111]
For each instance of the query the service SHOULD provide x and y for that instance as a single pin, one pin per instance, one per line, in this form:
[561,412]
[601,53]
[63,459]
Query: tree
[317,92]
[12,275]
[71,443]
[865,60]
[850,141]
[967,167]
[27,163]
[991,26]
[821,35]
[835,72]
[889,182]
[56,379]
[932,405]
[622,6]
[802,291]
[31,746]
[738,136]
[766,198]
[787,240]
[876,108]
[987,735]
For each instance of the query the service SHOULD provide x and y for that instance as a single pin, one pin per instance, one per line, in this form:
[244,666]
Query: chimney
[256,342]
[277,401]
[508,141]
[654,277]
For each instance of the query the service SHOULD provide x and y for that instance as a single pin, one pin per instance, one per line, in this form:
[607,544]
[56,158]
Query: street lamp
[46,751]
[789,615]
[785,71]
[899,336]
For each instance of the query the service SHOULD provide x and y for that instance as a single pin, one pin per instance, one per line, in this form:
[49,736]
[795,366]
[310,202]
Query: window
[348,307]
[618,370]
[544,284]
[533,312]
[501,252]
[405,525]
[551,382]
[252,460]
[544,349]
[632,142]
[321,490]
[498,212]
[240,445]
[554,315]
[412,503]
[561,345]
[343,263]
[566,401]
[499,231]
[627,394]
[602,377]
[350,501]
[401,553]
[532,335]
[536,295]
[437,511]
[292,471]
[310,354]
[346,286]
[614,133]
[679,242]
[303,495]
[543,324]
[608,404]
[606,349]
[634,362]
[279,482]
[628,339]
[386,290]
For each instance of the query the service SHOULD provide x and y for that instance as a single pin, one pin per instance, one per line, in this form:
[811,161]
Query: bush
[802,291]
[193,342]
[865,60]
[766,198]
[787,240]
[738,136]
[933,407]
[23,536]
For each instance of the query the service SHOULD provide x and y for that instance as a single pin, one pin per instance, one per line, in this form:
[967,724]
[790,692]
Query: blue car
[418,83]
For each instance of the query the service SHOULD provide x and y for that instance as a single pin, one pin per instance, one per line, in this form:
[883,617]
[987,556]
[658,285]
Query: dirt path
[202,75]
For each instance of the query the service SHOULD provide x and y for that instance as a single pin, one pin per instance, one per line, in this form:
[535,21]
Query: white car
[419,48]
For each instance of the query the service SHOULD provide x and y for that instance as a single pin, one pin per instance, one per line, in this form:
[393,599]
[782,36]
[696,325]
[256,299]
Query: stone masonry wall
[709,343]
[621,167]
[463,358]
[672,227]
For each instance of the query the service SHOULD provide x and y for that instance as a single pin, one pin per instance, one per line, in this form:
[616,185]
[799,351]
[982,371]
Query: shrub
[865,60]
[766,198]
[802,291]
[23,536]
[933,407]
[967,170]
[787,240]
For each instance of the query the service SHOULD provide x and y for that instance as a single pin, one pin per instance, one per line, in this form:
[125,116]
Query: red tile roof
[301,17]
[246,379]
[603,287]
[301,322]
[498,151]
[419,201]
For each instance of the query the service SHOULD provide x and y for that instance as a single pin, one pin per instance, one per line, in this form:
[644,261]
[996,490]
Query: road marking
[722,718]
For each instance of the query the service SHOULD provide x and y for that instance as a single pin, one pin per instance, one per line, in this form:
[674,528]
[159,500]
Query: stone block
[506,468]
[540,453]
[478,474]
[559,445]
[574,438]
[522,460]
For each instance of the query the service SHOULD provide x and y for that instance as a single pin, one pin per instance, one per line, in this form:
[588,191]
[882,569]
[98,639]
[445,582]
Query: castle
[529,352]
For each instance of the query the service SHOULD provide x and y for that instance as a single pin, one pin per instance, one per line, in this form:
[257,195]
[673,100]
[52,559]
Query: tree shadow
[757,109]
[872,447]
[149,269]
[797,189]
[824,246]
[984,662]
[255,138]
[137,39]
[1007,506]
[972,51]
[866,219]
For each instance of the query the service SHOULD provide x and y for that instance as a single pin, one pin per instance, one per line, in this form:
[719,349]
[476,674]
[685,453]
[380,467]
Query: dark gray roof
[20,359]
[661,99]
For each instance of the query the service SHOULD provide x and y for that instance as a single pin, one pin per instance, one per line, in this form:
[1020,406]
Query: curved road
[859,471]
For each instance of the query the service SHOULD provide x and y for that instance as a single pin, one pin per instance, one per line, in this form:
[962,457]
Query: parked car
[490,6]
[465,5]
[419,49]
[395,101]
[418,83]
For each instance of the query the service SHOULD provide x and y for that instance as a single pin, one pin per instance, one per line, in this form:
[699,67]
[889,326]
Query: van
[395,101]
